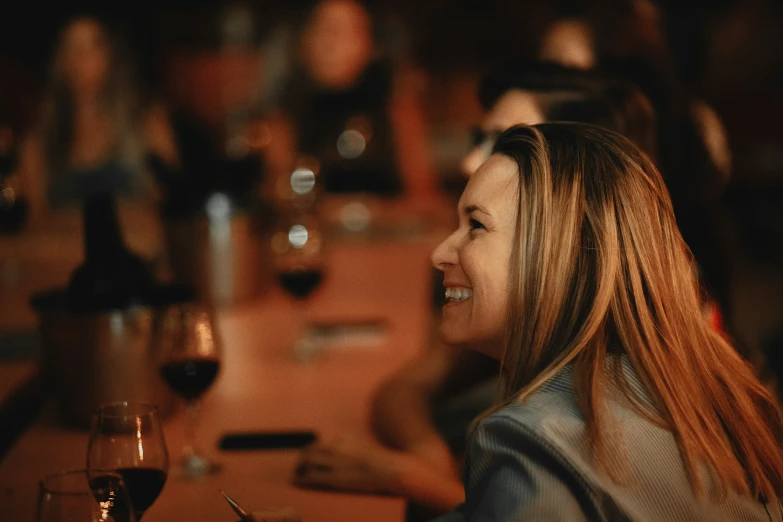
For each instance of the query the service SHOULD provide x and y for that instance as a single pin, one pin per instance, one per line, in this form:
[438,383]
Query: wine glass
[127,437]
[69,496]
[299,261]
[188,349]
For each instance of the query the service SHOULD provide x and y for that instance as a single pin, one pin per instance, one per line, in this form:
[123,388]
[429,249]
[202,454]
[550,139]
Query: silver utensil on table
[243,515]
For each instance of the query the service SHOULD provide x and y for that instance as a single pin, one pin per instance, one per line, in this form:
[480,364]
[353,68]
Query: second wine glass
[299,262]
[127,438]
[188,349]
[70,496]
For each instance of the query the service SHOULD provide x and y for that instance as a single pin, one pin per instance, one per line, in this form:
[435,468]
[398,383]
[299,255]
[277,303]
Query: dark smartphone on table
[266,440]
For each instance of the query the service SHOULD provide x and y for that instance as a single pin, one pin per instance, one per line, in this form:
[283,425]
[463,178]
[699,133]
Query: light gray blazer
[530,462]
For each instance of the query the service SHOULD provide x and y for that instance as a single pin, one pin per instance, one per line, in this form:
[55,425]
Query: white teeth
[458,294]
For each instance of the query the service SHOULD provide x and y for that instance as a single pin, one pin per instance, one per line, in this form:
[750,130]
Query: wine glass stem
[303,349]
[194,411]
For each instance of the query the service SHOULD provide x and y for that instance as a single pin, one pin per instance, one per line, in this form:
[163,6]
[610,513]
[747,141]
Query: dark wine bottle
[111,277]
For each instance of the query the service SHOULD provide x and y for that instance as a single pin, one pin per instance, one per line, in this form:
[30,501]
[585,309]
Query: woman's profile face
[475,258]
[84,57]
[338,43]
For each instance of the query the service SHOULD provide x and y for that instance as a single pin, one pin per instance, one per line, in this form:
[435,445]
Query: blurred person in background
[213,86]
[541,91]
[352,108]
[618,401]
[422,413]
[626,38]
[93,134]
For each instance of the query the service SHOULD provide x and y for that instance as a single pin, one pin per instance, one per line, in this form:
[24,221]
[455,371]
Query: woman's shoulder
[535,449]
[554,400]
[548,420]
[552,413]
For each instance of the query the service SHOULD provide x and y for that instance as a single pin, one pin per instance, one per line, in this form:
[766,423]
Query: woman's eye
[475,225]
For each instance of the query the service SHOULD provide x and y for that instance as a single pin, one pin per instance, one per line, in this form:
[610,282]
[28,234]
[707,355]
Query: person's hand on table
[351,464]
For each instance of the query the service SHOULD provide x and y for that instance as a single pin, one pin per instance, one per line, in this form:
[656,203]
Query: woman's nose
[445,254]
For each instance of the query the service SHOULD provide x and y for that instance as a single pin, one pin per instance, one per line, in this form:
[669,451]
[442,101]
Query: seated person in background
[347,106]
[618,401]
[449,386]
[93,135]
[694,157]
[541,91]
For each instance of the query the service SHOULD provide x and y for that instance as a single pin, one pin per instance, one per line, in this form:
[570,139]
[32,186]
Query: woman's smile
[457,295]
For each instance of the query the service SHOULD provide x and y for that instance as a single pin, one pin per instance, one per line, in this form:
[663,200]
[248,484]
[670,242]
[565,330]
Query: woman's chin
[485,344]
[457,336]
[451,336]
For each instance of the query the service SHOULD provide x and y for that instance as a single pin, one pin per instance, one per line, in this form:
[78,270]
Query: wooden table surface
[262,387]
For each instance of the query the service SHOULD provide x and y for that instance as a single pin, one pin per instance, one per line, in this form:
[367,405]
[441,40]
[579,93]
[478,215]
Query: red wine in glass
[109,490]
[188,347]
[190,377]
[127,438]
[300,282]
[299,262]
[144,485]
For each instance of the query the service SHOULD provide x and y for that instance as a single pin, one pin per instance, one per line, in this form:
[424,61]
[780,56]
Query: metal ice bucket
[90,359]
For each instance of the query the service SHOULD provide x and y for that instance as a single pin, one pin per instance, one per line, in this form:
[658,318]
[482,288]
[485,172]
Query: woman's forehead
[494,181]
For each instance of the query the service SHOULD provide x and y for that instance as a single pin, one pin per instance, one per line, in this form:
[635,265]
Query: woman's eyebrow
[470,209]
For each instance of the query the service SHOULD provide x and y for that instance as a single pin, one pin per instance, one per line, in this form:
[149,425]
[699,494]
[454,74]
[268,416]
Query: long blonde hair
[599,267]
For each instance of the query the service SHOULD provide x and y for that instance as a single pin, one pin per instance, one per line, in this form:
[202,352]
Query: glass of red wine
[127,439]
[70,496]
[299,261]
[188,350]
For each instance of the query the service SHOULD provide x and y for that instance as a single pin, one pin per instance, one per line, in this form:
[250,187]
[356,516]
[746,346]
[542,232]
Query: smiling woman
[475,257]
[619,402]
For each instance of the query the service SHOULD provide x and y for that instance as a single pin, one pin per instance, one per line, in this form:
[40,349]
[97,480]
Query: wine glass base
[194,466]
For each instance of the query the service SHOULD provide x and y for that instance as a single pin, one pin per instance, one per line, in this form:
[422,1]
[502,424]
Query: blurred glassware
[70,496]
[300,191]
[188,348]
[127,437]
[299,261]
[222,251]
